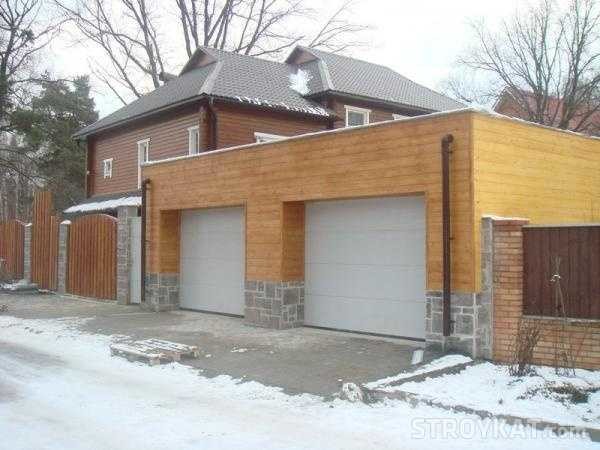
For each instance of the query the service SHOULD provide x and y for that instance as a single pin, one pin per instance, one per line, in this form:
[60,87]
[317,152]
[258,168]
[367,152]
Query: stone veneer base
[471,313]
[274,304]
[162,292]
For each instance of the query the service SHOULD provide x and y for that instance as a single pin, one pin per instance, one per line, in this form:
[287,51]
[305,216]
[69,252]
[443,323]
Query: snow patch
[444,362]
[66,222]
[14,286]
[104,205]
[70,393]
[239,350]
[494,217]
[299,81]
[491,388]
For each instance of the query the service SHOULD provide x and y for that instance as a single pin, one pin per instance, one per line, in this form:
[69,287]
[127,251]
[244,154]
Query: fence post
[124,213]
[27,253]
[63,256]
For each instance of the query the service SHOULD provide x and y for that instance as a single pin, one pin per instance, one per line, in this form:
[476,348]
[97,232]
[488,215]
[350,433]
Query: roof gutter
[372,100]
[79,135]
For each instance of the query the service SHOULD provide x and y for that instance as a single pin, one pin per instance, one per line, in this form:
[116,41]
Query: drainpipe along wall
[145,184]
[446,237]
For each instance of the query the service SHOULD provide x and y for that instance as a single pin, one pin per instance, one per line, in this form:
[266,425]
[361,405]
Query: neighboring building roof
[518,104]
[274,85]
[337,73]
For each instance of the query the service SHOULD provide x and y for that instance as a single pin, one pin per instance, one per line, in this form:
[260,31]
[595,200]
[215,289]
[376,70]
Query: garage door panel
[211,270]
[213,245]
[367,281]
[365,247]
[210,297]
[369,214]
[212,260]
[357,315]
[365,265]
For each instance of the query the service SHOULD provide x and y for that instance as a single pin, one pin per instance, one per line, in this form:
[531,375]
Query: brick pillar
[27,253]
[507,284]
[124,213]
[63,255]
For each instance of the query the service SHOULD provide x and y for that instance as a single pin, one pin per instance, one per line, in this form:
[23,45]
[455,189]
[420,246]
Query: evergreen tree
[47,127]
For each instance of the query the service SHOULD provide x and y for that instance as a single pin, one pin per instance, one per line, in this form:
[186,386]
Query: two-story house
[222,99]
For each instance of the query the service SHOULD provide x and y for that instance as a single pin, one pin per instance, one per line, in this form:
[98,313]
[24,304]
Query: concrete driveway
[299,360]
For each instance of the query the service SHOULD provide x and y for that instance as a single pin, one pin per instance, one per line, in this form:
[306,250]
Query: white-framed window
[107,165]
[143,148]
[398,116]
[266,137]
[356,116]
[194,140]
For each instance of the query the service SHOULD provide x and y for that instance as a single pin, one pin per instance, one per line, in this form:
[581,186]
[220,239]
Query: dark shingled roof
[333,72]
[260,82]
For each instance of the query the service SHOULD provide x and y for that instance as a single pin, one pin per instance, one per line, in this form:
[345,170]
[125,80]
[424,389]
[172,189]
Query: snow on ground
[61,389]
[489,387]
[441,363]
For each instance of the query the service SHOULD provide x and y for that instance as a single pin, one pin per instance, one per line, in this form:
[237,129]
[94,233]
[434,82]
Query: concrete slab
[298,360]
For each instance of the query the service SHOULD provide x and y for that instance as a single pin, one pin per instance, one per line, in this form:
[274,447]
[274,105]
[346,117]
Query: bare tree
[546,59]
[127,33]
[25,29]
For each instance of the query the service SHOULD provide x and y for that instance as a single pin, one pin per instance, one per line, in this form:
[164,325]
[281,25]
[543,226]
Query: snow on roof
[105,204]
[299,82]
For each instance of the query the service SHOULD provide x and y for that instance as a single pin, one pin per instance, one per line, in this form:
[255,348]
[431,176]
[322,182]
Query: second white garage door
[365,265]
[212,260]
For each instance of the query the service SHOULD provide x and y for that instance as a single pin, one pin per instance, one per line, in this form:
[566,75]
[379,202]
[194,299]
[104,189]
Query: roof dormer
[202,57]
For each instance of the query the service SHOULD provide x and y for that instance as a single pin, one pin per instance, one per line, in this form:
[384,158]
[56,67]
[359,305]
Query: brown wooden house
[223,99]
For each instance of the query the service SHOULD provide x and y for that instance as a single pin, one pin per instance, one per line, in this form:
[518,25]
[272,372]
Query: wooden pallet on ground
[173,349]
[154,351]
[139,352]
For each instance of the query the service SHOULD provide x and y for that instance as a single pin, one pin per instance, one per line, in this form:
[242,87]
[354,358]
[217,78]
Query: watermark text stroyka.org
[474,428]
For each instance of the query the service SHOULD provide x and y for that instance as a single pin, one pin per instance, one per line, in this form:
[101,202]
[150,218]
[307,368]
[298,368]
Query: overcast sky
[419,39]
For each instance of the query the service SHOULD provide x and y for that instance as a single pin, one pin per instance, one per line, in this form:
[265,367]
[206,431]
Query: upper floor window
[266,137]
[356,116]
[107,168]
[143,156]
[193,140]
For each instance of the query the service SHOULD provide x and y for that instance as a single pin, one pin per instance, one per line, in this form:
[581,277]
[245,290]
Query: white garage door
[212,260]
[365,265]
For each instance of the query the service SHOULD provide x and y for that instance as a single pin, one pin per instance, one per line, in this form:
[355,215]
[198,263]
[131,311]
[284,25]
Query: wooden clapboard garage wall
[542,174]
[12,233]
[393,158]
[92,257]
[44,243]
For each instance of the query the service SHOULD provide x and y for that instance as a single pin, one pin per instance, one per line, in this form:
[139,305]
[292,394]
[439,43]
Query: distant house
[223,99]
[523,105]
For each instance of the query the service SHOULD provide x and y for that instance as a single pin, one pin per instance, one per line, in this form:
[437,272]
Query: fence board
[44,242]
[92,257]
[579,250]
[12,237]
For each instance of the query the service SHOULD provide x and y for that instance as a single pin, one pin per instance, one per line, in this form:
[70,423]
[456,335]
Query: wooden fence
[44,242]
[92,257]
[578,249]
[12,236]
